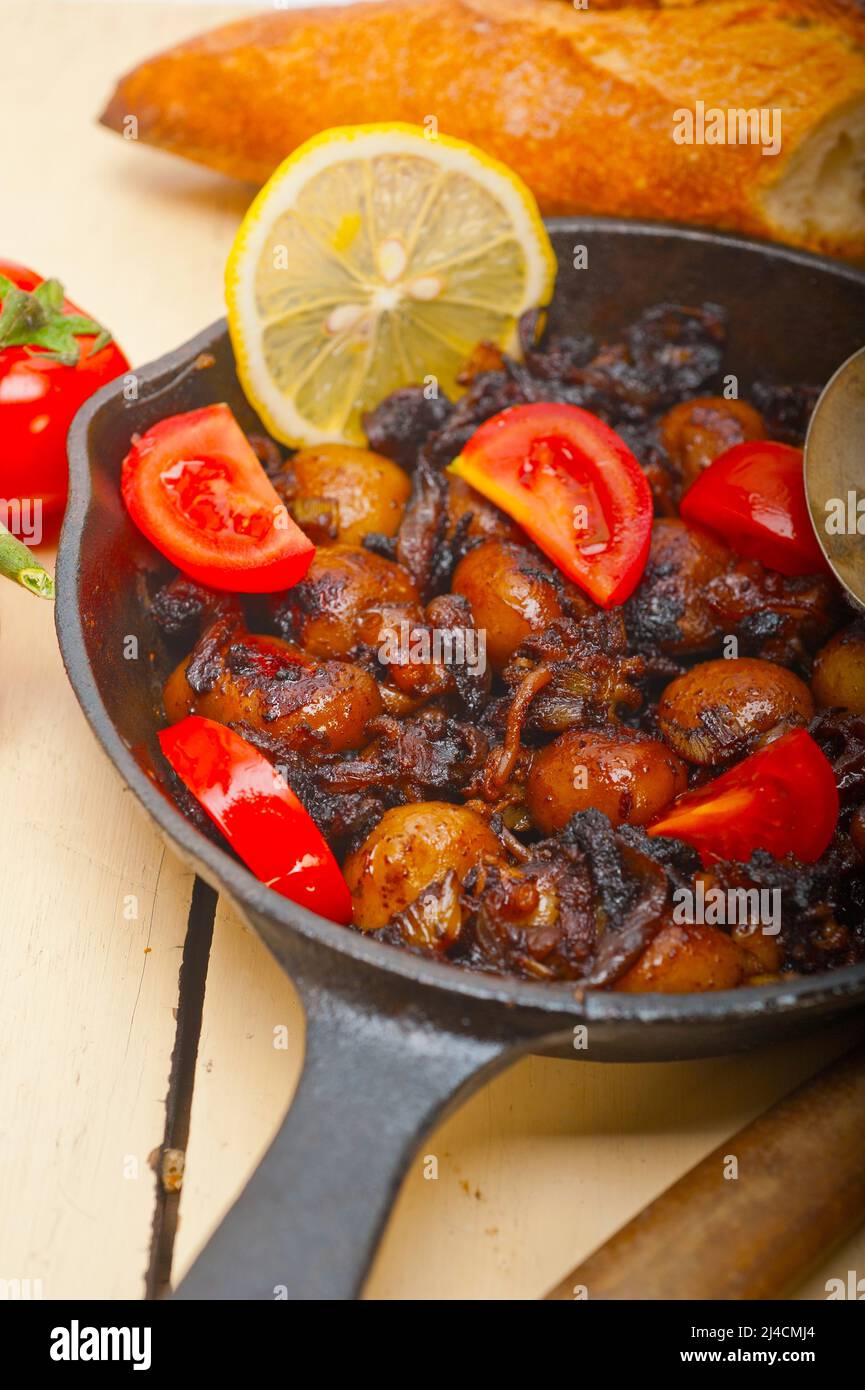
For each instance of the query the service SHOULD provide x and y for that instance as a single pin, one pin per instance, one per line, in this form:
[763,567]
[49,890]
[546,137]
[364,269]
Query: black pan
[394,1041]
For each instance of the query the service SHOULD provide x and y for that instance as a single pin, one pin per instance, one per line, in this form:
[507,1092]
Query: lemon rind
[276,410]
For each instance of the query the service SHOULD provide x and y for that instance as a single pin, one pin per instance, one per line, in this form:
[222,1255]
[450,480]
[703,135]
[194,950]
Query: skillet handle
[378,1074]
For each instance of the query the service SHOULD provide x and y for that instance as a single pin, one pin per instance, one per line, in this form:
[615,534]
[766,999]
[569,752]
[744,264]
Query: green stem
[20,564]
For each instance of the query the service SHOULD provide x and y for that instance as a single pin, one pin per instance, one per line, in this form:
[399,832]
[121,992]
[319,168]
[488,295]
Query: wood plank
[534,1172]
[139,236]
[249,1061]
[549,1160]
[86,996]
[559,1154]
[87,990]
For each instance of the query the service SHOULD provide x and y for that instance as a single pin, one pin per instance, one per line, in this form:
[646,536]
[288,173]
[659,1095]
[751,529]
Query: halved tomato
[573,485]
[753,497]
[783,799]
[194,486]
[258,813]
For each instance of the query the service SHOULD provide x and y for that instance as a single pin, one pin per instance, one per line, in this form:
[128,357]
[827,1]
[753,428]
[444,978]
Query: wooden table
[538,1168]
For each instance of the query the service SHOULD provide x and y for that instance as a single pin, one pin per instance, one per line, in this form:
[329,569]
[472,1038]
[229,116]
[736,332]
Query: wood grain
[537,1169]
[761,1207]
[249,1062]
[93,916]
[86,996]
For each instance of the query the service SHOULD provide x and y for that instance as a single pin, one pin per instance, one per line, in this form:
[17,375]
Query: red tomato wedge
[573,485]
[258,813]
[753,497]
[783,799]
[194,486]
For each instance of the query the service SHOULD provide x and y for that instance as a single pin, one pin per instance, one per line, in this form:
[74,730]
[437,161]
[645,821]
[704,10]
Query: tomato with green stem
[52,358]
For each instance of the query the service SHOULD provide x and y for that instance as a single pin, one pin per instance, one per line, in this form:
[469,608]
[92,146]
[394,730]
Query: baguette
[586,104]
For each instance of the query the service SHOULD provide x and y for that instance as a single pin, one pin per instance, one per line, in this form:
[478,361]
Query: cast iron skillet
[393,1041]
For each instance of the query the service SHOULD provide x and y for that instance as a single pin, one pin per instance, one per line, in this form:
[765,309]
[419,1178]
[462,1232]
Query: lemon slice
[374,258]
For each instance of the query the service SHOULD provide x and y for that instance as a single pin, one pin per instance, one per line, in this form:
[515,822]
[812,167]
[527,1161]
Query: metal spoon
[835,474]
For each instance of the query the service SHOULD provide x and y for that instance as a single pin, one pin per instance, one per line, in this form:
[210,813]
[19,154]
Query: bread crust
[580,103]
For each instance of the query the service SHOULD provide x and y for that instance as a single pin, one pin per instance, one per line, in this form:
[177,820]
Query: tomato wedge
[753,497]
[783,799]
[573,485]
[258,813]
[194,486]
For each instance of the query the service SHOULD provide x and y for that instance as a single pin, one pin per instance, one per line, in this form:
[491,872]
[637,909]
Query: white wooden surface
[542,1164]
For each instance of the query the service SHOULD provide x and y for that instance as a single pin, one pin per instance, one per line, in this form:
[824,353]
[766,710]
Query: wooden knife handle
[800,1189]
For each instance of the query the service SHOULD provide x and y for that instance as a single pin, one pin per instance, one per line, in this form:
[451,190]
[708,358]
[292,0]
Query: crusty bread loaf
[582,103]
